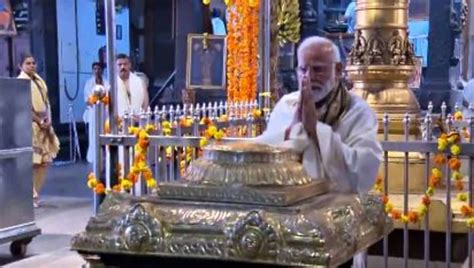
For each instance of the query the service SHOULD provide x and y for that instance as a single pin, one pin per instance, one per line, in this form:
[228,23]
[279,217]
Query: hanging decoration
[242,49]
[449,149]
[288,21]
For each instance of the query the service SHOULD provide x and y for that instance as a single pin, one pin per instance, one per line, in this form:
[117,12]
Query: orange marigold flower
[106,100]
[466,211]
[385,199]
[99,188]
[132,177]
[396,214]
[426,200]
[434,181]
[413,216]
[116,188]
[459,185]
[143,143]
[439,159]
[454,163]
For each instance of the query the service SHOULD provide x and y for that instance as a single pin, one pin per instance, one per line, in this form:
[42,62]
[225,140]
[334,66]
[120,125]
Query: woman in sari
[45,141]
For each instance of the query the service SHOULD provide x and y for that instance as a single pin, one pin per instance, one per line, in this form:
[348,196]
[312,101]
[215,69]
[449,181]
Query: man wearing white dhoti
[89,118]
[334,129]
[131,91]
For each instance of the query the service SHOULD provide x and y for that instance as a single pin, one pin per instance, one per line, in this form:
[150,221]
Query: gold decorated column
[380,64]
[382,60]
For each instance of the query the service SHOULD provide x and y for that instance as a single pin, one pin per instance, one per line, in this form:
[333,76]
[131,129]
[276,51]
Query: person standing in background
[89,118]
[45,142]
[131,90]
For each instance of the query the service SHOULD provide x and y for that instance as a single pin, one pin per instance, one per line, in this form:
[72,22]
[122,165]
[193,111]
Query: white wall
[75,61]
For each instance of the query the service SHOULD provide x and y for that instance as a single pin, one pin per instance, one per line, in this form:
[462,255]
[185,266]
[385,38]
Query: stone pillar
[436,86]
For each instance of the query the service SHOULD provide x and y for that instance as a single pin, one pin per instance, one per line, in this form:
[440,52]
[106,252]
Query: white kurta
[349,154]
[89,117]
[138,95]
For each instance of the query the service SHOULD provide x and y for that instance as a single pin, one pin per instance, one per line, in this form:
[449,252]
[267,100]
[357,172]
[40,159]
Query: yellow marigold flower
[135,170]
[388,207]
[257,113]
[168,151]
[91,176]
[143,135]
[149,128]
[442,144]
[189,158]
[430,191]
[133,130]
[107,127]
[219,135]
[226,2]
[151,183]
[455,149]
[422,209]
[166,124]
[458,115]
[435,172]
[470,222]
[453,138]
[462,197]
[212,130]
[206,2]
[404,218]
[456,175]
[223,118]
[203,142]
[126,185]
[166,131]
[182,164]
[91,183]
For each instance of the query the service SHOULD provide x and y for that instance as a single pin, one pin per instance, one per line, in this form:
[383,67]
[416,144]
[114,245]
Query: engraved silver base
[261,195]
[324,230]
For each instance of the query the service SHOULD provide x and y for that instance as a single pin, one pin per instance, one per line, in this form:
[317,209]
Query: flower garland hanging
[465,209]
[242,49]
[449,141]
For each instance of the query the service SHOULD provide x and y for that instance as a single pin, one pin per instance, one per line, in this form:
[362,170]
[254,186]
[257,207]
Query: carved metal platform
[325,230]
[221,212]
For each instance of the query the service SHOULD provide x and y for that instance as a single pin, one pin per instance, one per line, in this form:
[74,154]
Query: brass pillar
[382,60]
[380,64]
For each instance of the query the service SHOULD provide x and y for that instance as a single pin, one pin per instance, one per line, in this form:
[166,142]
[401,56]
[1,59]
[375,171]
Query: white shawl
[349,153]
[138,95]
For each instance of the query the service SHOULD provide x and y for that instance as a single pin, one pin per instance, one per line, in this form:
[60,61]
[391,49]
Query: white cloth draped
[138,95]
[349,154]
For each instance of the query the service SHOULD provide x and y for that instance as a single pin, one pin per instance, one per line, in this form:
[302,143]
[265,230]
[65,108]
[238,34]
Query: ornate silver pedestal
[290,227]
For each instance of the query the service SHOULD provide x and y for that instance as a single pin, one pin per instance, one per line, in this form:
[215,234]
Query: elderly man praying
[334,129]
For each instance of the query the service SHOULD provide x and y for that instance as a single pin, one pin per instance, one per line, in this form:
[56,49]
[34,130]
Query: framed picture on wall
[206,61]
[7,22]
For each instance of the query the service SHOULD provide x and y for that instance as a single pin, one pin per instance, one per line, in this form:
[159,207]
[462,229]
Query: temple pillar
[436,86]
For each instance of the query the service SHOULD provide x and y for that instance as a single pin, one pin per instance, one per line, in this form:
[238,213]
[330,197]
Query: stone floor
[66,207]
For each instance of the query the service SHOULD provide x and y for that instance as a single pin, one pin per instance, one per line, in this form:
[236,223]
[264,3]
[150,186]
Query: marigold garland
[445,141]
[242,49]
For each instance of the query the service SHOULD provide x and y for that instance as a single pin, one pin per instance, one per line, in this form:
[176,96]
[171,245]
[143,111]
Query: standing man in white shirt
[131,91]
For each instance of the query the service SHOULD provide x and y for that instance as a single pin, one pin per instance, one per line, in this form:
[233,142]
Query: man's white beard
[321,92]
